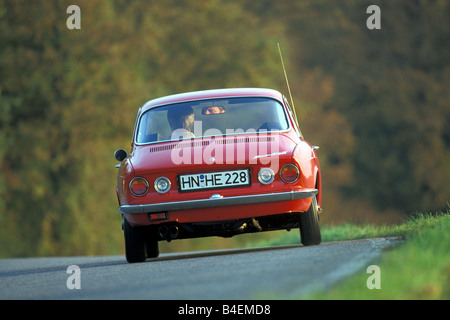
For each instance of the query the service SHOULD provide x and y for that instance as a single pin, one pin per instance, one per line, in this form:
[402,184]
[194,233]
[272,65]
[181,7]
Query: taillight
[289,173]
[139,187]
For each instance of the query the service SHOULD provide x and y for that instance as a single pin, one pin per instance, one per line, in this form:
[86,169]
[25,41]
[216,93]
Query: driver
[181,121]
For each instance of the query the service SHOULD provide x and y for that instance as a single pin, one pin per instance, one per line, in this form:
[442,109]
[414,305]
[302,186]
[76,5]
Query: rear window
[207,118]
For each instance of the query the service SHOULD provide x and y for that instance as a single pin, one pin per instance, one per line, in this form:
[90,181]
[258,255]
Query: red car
[216,163]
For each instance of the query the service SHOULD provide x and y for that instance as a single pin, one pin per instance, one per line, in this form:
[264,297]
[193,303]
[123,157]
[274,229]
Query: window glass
[211,118]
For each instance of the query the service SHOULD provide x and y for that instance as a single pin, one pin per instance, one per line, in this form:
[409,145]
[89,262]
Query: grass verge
[417,269]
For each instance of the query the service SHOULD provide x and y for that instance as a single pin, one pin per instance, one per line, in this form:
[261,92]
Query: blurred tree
[390,88]
[70,97]
[393,89]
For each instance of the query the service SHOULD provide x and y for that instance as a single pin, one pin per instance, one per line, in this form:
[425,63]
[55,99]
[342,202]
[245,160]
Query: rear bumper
[218,201]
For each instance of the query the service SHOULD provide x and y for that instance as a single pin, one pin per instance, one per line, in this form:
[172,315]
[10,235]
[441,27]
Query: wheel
[309,225]
[135,244]
[152,247]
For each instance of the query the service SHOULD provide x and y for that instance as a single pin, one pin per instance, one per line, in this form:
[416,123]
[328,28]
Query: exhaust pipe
[168,233]
[163,232]
[173,231]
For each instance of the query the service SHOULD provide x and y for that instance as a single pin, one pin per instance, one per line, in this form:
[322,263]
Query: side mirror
[120,155]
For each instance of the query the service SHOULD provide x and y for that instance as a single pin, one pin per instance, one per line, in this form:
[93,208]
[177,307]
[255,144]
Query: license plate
[214,180]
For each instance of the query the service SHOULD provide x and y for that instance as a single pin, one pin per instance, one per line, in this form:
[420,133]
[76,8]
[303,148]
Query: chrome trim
[269,171]
[218,202]
[155,185]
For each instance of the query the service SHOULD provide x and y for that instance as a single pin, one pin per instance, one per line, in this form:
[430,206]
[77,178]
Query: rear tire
[152,247]
[135,244]
[309,225]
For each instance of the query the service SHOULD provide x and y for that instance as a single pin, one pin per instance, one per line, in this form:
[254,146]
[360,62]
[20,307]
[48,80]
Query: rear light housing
[139,187]
[289,173]
[157,216]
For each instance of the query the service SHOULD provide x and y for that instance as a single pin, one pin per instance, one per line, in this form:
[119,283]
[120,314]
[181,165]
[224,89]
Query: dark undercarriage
[228,228]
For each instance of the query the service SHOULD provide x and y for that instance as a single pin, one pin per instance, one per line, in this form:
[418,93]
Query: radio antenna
[287,81]
[289,88]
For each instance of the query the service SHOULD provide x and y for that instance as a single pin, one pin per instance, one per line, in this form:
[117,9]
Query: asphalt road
[259,273]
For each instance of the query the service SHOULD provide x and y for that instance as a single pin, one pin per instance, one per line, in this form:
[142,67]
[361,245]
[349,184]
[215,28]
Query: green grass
[419,268]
